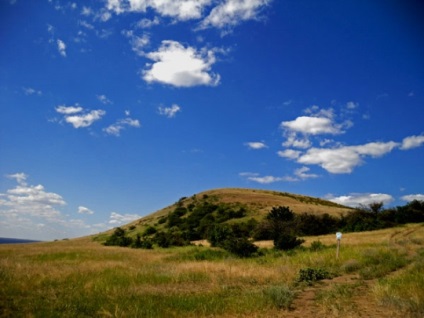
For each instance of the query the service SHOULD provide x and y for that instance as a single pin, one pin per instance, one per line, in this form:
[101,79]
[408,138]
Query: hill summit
[255,204]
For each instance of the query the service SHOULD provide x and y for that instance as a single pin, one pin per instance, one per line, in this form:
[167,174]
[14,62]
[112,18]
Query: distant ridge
[5,240]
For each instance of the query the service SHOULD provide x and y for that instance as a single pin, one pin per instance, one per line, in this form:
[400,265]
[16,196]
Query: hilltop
[255,202]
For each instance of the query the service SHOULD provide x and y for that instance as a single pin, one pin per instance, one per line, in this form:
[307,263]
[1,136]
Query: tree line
[215,222]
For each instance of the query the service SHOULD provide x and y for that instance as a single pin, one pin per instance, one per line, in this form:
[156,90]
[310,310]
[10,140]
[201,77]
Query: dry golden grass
[81,278]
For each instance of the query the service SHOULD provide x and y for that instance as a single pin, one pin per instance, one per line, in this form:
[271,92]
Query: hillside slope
[257,203]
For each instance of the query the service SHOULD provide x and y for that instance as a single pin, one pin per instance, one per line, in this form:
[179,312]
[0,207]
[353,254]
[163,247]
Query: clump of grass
[404,291]
[351,266]
[317,246]
[280,296]
[378,263]
[337,301]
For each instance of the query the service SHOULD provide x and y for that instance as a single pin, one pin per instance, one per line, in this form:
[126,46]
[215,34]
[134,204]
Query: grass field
[383,270]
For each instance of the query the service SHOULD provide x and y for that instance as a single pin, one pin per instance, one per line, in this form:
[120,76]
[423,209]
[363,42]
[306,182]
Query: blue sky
[113,109]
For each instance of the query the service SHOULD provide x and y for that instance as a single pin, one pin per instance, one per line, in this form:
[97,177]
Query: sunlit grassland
[82,278]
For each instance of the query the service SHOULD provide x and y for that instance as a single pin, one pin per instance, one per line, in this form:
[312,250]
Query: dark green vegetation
[233,225]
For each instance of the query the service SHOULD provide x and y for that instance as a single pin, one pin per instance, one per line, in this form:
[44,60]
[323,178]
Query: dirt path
[361,303]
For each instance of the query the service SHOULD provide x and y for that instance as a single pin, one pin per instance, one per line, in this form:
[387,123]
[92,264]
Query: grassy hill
[257,203]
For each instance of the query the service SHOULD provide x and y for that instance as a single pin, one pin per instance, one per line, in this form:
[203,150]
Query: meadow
[377,274]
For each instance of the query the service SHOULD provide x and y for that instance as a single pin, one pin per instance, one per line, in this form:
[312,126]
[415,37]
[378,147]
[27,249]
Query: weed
[281,296]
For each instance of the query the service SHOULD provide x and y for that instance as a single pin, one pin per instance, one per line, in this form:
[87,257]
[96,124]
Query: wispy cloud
[412,142]
[181,66]
[61,47]
[32,91]
[118,219]
[256,145]
[104,100]
[84,210]
[230,13]
[361,199]
[169,112]
[78,116]
[121,124]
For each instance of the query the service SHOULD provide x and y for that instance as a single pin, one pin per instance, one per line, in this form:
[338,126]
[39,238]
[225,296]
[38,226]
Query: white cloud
[84,210]
[68,110]
[118,219]
[104,100]
[232,12]
[115,129]
[61,47]
[344,159]
[138,43]
[146,23]
[302,173]
[294,141]
[289,153]
[178,9]
[19,177]
[312,125]
[412,197]
[265,179]
[361,199]
[181,66]
[86,119]
[412,142]
[28,200]
[32,91]
[351,105]
[256,145]
[169,111]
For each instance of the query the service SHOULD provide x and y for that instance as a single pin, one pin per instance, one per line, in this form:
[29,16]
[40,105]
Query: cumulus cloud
[61,47]
[289,153]
[412,142]
[256,145]
[178,9]
[84,210]
[181,66]
[118,219]
[169,112]
[361,199]
[78,116]
[312,125]
[68,110]
[232,12]
[86,119]
[115,129]
[344,159]
[412,197]
[29,200]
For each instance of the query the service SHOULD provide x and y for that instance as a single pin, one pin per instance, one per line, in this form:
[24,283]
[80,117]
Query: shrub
[286,241]
[310,275]
[149,231]
[241,247]
[317,245]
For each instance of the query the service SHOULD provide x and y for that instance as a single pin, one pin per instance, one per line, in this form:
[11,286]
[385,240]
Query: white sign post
[338,237]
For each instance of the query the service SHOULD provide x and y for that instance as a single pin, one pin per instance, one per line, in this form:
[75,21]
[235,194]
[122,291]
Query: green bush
[286,241]
[241,247]
[310,275]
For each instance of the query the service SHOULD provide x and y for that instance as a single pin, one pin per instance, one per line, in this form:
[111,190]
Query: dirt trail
[361,304]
